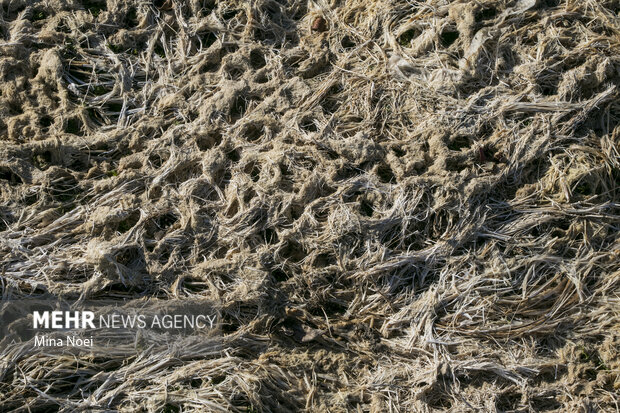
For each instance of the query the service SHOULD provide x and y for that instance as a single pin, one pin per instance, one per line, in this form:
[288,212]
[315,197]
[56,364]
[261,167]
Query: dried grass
[413,210]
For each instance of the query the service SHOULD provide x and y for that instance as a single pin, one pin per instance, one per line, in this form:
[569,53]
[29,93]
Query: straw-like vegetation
[401,205]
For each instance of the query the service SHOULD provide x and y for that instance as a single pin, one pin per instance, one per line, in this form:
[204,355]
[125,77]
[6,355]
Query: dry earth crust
[401,205]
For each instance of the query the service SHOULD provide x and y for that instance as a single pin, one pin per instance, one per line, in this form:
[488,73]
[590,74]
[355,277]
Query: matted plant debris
[400,205]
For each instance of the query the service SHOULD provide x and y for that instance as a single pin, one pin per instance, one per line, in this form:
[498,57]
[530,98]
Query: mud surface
[402,206]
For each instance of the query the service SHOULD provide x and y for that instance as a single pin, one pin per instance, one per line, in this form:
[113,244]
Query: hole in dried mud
[116,48]
[551,374]
[508,401]
[487,154]
[131,18]
[15,108]
[486,13]
[265,37]
[163,253]
[545,403]
[234,155]
[75,127]
[347,172]
[285,170]
[10,13]
[129,222]
[292,251]
[331,101]
[234,72]
[38,15]
[238,108]
[296,211]
[459,142]
[455,165]
[183,173]
[195,285]
[233,208]
[308,125]
[407,37]
[64,188]
[87,42]
[385,174]
[253,170]
[323,260]
[62,27]
[157,159]
[253,131]
[195,383]
[366,208]
[585,189]
[114,107]
[155,192]
[171,408]
[8,175]
[299,10]
[5,222]
[94,7]
[217,380]
[248,196]
[439,401]
[159,50]
[347,43]
[440,222]
[229,14]
[210,67]
[320,214]
[548,82]
[261,77]
[130,257]
[207,39]
[399,151]
[207,7]
[77,162]
[166,220]
[279,275]
[31,198]
[329,308]
[448,37]
[546,4]
[46,121]
[227,49]
[203,191]
[270,236]
[96,117]
[229,324]
[208,141]
[257,60]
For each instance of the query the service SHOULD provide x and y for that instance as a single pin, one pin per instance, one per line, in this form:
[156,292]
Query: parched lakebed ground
[400,205]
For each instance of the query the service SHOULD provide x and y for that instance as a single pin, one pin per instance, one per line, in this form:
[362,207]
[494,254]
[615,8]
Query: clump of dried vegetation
[400,205]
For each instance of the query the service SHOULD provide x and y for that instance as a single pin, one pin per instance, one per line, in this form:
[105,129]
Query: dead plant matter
[402,205]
